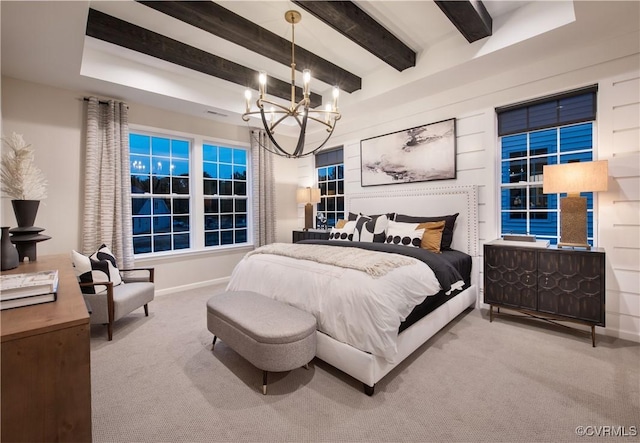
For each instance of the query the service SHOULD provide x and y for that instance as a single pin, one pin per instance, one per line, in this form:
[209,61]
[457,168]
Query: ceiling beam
[226,24]
[355,24]
[470,17]
[119,32]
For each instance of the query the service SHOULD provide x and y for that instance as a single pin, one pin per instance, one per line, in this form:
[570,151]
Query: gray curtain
[107,181]
[263,184]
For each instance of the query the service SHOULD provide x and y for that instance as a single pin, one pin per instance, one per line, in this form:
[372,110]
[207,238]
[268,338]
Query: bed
[371,362]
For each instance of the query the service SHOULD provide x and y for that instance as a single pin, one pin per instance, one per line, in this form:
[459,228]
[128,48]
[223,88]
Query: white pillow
[407,235]
[401,225]
[343,234]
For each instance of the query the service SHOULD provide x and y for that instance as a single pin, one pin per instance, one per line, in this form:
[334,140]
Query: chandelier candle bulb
[306,79]
[247,95]
[336,94]
[262,80]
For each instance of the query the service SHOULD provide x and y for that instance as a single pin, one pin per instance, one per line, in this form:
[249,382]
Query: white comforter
[349,305]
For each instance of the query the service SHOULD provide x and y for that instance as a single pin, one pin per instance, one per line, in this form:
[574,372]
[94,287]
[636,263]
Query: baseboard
[197,285]
[623,335]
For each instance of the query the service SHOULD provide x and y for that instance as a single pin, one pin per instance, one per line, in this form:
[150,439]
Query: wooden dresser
[547,283]
[46,372]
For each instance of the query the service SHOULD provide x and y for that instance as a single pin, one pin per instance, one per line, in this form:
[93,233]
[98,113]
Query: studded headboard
[427,202]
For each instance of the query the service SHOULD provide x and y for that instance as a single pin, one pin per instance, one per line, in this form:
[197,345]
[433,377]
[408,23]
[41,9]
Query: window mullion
[197,193]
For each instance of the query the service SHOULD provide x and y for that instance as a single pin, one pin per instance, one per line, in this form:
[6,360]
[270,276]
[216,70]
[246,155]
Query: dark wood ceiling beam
[226,24]
[119,32]
[470,17]
[355,24]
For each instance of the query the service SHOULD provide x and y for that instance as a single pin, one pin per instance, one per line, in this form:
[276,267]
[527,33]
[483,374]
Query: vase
[9,252]
[25,211]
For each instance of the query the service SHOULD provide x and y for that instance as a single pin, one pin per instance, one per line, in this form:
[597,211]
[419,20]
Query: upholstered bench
[271,335]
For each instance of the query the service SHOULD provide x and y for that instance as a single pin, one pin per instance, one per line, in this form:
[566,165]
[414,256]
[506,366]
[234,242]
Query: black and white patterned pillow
[371,228]
[407,236]
[89,270]
[343,234]
[103,253]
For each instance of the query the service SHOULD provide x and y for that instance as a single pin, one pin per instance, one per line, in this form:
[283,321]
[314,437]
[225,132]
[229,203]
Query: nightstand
[311,234]
[549,284]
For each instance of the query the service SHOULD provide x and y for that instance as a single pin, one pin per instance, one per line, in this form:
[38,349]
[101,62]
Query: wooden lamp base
[573,222]
[308,216]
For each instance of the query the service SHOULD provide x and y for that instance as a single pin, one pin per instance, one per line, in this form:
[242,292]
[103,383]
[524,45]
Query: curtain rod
[101,102]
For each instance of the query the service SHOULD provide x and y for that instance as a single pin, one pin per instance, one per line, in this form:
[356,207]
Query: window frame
[228,197]
[196,195]
[534,181]
[324,197]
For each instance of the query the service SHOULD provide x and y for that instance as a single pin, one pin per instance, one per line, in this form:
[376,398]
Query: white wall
[52,120]
[615,66]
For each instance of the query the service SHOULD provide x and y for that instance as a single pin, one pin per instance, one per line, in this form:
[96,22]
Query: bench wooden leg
[264,382]
[214,342]
[146,310]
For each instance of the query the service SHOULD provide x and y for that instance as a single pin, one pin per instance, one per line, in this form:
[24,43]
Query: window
[160,193]
[330,176]
[164,198]
[225,195]
[555,130]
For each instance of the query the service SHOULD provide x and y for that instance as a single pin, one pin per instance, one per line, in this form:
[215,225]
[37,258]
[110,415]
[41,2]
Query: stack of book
[26,289]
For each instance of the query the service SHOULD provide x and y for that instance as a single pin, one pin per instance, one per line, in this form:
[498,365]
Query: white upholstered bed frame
[368,368]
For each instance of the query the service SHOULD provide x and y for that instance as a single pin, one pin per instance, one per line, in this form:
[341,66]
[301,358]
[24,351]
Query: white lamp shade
[308,195]
[574,178]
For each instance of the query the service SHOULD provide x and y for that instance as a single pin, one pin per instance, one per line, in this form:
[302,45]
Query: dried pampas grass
[20,178]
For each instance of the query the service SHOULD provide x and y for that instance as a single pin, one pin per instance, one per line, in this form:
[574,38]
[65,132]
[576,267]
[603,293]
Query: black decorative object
[25,236]
[25,211]
[321,220]
[9,253]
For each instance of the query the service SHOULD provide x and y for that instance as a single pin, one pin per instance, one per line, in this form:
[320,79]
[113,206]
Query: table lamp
[574,178]
[307,197]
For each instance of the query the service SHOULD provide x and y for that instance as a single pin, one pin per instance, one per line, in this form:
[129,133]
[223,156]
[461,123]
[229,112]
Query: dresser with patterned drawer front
[547,283]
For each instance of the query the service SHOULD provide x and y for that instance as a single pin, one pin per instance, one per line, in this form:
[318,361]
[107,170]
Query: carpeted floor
[510,380]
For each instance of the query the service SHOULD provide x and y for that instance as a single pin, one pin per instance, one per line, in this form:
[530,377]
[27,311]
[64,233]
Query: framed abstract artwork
[423,153]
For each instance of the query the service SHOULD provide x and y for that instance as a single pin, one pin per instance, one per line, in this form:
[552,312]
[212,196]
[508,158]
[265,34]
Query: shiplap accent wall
[619,207]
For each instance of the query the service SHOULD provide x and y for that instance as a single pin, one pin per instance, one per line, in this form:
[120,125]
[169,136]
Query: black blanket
[443,270]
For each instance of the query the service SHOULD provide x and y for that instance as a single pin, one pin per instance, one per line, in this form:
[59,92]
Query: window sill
[180,254]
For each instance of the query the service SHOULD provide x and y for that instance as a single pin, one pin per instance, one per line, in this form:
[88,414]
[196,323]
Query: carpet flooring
[512,380]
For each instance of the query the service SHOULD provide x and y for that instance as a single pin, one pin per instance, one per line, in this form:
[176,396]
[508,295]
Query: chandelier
[298,111]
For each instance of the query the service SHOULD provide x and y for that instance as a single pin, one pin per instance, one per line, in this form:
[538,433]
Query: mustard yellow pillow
[340,224]
[432,235]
